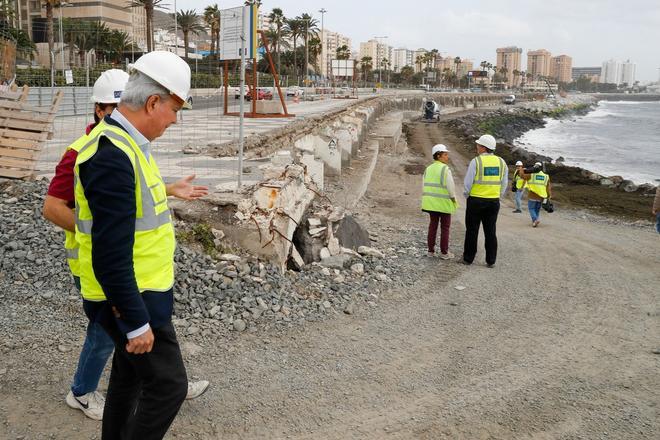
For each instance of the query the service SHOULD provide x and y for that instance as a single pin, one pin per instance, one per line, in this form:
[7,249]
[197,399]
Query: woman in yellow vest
[539,189]
[439,200]
[518,187]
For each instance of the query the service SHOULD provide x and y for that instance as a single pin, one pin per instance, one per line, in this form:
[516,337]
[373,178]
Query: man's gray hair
[139,88]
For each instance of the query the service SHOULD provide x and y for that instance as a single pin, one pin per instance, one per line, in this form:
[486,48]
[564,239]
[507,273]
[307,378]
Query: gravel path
[555,342]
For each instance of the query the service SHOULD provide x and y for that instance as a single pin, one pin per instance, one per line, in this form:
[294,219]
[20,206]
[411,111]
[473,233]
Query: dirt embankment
[573,186]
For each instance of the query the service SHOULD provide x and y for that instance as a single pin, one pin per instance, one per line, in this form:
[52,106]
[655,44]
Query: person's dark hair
[102,107]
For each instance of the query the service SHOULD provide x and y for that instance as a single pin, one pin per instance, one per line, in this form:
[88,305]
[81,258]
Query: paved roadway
[200,126]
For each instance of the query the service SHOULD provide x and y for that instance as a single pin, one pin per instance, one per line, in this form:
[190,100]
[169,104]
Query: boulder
[340,261]
[351,234]
[628,186]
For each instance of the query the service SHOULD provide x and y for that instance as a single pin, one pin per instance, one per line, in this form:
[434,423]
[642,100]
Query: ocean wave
[627,102]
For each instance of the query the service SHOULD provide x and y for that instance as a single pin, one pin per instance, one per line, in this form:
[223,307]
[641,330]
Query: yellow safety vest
[488,177]
[70,243]
[435,195]
[538,184]
[153,248]
[518,181]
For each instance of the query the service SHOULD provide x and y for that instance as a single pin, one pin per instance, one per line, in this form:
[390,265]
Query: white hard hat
[538,164]
[109,86]
[519,164]
[439,149]
[168,70]
[487,141]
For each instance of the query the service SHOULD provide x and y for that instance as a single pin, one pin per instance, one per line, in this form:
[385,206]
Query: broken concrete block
[366,250]
[314,222]
[333,246]
[316,231]
[282,158]
[297,258]
[351,234]
[217,234]
[340,261]
[325,253]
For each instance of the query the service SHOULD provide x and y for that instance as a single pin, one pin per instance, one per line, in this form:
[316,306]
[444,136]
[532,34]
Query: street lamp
[323,54]
[378,58]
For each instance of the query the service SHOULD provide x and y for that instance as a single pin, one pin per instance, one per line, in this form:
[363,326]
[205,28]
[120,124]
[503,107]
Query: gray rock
[351,234]
[340,261]
[350,308]
[366,250]
[357,268]
[239,325]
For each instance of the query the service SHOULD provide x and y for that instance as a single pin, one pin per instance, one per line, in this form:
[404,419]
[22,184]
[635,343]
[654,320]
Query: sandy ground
[555,342]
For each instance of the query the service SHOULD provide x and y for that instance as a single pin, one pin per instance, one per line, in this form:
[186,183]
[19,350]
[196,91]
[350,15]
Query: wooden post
[273,71]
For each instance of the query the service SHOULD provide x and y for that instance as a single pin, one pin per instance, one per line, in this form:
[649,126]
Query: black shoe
[517,211]
[490,265]
[467,263]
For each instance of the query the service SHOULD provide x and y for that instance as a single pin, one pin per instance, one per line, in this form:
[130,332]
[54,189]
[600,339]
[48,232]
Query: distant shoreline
[575,186]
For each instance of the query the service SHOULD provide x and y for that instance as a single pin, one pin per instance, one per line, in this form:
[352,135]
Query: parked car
[295,91]
[509,99]
[262,94]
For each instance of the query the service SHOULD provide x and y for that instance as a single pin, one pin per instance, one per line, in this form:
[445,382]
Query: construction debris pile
[212,296]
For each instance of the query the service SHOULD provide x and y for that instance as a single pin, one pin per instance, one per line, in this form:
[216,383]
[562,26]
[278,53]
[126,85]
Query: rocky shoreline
[575,186]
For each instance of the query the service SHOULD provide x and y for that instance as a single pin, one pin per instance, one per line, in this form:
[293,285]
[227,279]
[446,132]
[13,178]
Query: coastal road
[555,342]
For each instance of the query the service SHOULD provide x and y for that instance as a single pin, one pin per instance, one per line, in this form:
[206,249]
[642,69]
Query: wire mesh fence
[177,150]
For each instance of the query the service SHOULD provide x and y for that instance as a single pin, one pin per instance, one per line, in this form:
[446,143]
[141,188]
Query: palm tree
[253,2]
[310,26]
[188,22]
[277,18]
[432,56]
[366,63]
[315,51]
[50,4]
[212,19]
[343,52]
[149,6]
[295,29]
[119,42]
[457,62]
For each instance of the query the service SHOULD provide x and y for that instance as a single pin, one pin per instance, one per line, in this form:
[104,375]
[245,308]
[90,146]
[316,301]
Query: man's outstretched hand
[184,189]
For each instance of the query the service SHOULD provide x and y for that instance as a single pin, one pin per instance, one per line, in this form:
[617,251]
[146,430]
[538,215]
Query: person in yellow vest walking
[58,208]
[439,200]
[485,182]
[518,187]
[126,248]
[539,190]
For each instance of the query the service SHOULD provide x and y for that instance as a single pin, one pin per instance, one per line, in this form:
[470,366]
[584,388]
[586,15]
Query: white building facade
[610,72]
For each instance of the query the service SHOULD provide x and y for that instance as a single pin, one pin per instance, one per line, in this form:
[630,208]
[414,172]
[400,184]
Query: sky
[590,31]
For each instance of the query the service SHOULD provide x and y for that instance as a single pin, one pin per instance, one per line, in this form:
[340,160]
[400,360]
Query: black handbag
[548,206]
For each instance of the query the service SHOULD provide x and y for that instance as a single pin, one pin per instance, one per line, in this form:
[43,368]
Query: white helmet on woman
[439,148]
[109,86]
[167,69]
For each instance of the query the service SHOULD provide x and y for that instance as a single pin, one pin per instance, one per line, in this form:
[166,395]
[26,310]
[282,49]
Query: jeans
[518,199]
[534,207]
[657,222]
[95,353]
[445,222]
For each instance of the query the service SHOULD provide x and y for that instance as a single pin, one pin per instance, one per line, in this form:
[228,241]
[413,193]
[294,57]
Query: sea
[618,138]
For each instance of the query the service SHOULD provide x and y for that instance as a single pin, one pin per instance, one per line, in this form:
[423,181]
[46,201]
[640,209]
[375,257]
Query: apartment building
[511,59]
[538,63]
[561,68]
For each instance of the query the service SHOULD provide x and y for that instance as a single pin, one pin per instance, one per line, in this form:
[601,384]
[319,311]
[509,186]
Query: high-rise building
[333,41]
[401,57]
[510,58]
[418,57]
[627,71]
[560,68]
[593,73]
[610,72]
[442,63]
[464,67]
[377,51]
[538,63]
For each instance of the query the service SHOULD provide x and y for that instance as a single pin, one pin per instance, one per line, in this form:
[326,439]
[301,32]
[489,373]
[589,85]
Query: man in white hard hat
[439,200]
[58,208]
[518,186]
[126,248]
[485,182]
[539,190]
